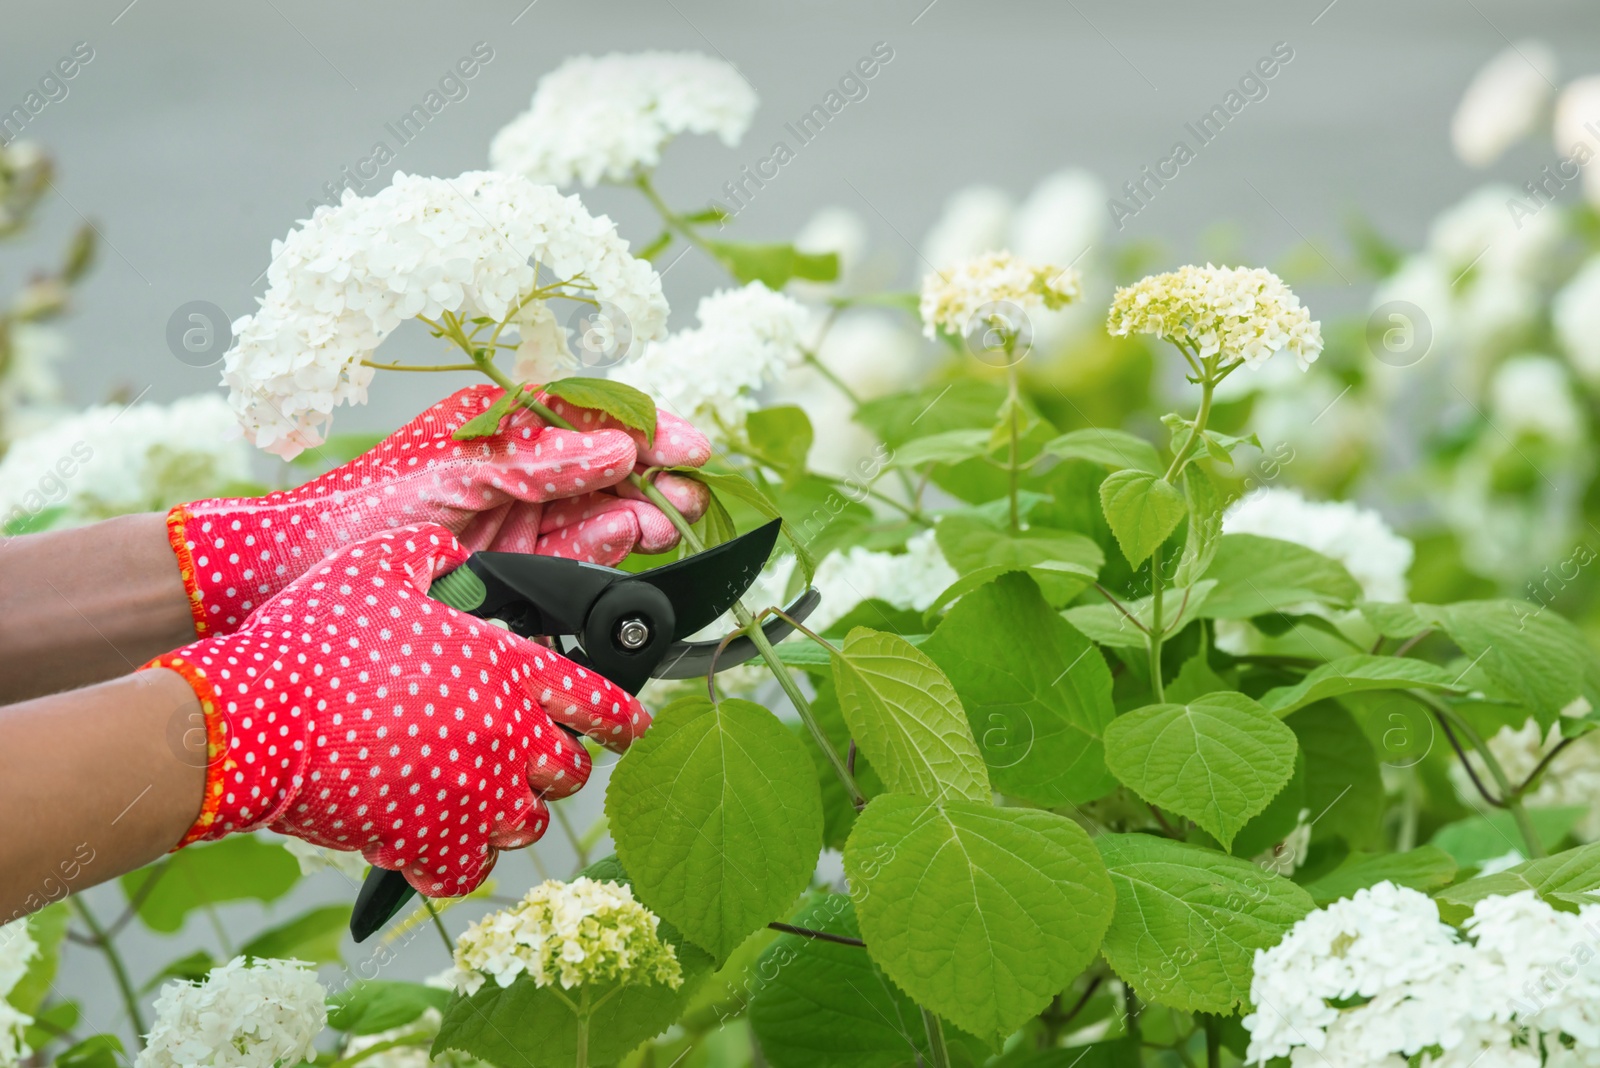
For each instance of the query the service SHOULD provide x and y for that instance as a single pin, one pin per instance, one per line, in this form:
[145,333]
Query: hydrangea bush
[1118,737]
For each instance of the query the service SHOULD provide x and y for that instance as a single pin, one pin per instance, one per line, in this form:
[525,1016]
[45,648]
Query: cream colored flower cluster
[600,118]
[1242,313]
[952,296]
[570,934]
[246,1014]
[346,279]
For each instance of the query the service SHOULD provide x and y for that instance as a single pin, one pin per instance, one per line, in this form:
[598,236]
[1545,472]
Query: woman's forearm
[95,783]
[82,606]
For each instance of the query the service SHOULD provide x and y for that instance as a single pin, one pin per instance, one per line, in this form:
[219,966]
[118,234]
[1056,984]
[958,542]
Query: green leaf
[32,522]
[1036,691]
[773,265]
[1535,656]
[1566,881]
[1108,625]
[1344,786]
[949,447]
[487,423]
[904,714]
[716,816]
[1397,620]
[241,868]
[1258,575]
[1479,838]
[1217,760]
[315,937]
[629,406]
[1062,580]
[901,417]
[342,448]
[1142,509]
[1189,920]
[191,967]
[1205,526]
[51,1022]
[1425,868]
[981,914]
[373,1005]
[819,1004]
[969,544]
[96,1051]
[1116,449]
[838,811]
[656,246]
[781,437]
[1354,674]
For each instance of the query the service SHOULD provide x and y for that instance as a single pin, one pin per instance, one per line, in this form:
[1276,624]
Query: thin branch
[1412,642]
[820,936]
[1108,595]
[1538,769]
[1472,773]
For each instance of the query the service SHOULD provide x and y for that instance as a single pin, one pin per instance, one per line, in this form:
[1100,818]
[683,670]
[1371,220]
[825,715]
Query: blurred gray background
[199,132]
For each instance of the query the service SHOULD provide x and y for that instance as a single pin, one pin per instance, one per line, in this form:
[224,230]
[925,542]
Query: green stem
[1213,1028]
[438,925]
[938,1055]
[420,367]
[673,220]
[812,360]
[1207,387]
[582,1058]
[1014,446]
[119,971]
[419,1039]
[1509,795]
[1158,627]
[578,848]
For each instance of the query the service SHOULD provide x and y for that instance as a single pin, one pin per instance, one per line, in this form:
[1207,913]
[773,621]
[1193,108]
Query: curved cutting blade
[705,585]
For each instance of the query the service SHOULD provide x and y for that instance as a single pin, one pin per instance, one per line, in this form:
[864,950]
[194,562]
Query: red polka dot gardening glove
[354,712]
[496,493]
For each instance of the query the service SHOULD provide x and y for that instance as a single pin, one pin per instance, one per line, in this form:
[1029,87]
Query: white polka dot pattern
[492,493]
[360,714]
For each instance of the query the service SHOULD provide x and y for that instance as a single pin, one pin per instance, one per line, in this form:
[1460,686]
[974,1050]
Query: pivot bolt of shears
[632,633]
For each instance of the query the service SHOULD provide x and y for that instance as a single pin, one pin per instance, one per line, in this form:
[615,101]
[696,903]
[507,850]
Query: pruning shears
[629,627]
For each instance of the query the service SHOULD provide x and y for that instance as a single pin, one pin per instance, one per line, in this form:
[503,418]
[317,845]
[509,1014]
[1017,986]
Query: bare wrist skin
[85,605]
[95,783]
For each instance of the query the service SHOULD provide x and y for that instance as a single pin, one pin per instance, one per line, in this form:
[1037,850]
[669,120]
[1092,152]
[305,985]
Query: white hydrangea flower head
[710,374]
[1479,235]
[346,278]
[841,232]
[1357,537]
[1572,778]
[1577,115]
[606,118]
[115,459]
[1245,313]
[567,934]
[17,951]
[245,1014]
[1504,103]
[953,295]
[1575,314]
[1531,394]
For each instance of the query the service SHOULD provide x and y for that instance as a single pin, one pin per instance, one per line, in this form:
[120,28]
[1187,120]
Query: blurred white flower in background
[1577,130]
[17,950]
[952,296]
[1504,103]
[912,579]
[246,1014]
[345,279]
[605,118]
[841,232]
[974,220]
[1575,314]
[711,374]
[114,459]
[29,357]
[570,934]
[1572,778]
[1532,395]
[1357,537]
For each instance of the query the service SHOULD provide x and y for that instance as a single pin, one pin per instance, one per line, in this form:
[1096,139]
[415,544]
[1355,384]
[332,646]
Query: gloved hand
[354,712]
[492,493]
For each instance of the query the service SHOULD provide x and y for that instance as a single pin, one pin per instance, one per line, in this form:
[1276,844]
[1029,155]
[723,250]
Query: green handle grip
[461,589]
